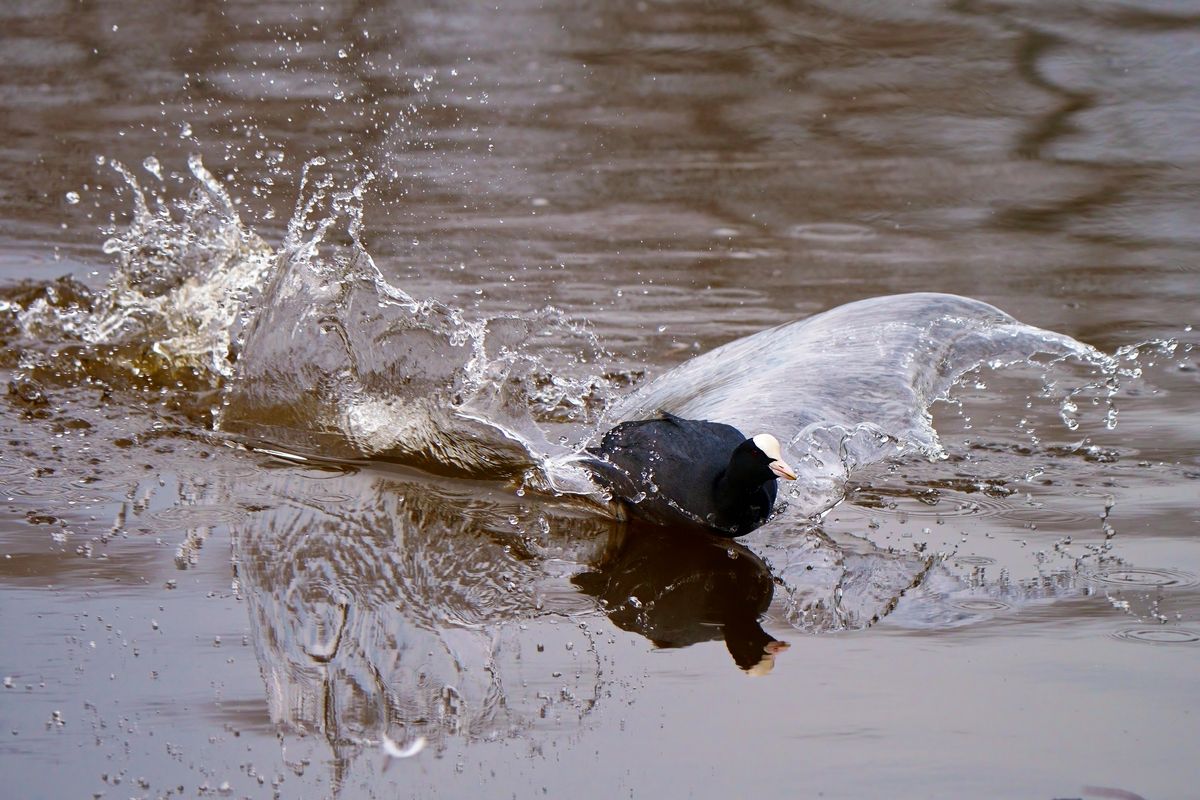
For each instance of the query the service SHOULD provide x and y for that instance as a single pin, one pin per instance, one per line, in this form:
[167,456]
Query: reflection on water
[402,608]
[681,587]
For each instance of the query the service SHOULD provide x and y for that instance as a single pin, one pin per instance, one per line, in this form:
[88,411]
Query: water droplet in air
[72,197]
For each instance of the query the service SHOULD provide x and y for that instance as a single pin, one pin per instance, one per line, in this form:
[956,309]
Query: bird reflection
[677,588]
[389,606]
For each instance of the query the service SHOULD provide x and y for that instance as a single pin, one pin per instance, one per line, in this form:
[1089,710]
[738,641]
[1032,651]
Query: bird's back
[666,468]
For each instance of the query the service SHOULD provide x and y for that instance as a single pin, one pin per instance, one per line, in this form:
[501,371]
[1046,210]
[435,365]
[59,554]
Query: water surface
[288,485]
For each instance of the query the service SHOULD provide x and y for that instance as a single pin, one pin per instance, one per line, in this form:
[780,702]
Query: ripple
[1142,577]
[38,488]
[331,499]
[198,515]
[1044,516]
[979,505]
[96,483]
[235,469]
[930,504]
[323,473]
[1158,635]
[831,232]
[10,468]
[973,561]
[981,604]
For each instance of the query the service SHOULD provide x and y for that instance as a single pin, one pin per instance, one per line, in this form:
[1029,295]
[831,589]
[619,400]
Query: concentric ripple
[1142,577]
[930,503]
[981,604]
[1158,636]
[973,560]
[198,515]
[10,468]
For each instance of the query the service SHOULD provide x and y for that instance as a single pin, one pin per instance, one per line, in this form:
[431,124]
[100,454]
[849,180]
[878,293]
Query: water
[290,497]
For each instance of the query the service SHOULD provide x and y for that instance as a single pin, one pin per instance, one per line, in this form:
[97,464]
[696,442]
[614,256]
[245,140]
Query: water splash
[307,347]
[854,385]
[339,361]
[186,276]
[311,350]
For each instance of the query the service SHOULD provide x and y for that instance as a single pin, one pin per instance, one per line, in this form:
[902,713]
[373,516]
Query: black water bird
[675,471]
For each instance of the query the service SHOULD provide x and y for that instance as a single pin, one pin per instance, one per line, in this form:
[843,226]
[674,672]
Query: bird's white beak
[782,470]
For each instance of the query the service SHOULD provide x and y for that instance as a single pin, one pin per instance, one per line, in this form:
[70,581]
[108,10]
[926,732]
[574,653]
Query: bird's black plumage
[675,471]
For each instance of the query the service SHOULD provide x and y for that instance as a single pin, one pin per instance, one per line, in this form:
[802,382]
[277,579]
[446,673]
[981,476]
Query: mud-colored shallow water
[305,312]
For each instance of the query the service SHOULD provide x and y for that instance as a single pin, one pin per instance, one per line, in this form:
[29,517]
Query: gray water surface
[273,496]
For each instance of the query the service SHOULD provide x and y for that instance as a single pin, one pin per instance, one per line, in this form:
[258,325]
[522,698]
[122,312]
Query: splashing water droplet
[394,750]
[151,165]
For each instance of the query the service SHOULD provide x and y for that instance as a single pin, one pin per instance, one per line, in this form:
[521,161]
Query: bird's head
[768,445]
[760,455]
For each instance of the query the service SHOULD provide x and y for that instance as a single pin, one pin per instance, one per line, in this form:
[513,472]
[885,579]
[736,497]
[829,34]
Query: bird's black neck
[734,494]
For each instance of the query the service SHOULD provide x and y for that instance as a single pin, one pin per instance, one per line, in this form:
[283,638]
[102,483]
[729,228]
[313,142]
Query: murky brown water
[183,616]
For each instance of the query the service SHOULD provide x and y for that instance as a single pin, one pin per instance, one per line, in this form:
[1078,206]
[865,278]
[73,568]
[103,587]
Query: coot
[675,471]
